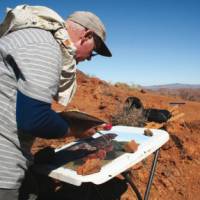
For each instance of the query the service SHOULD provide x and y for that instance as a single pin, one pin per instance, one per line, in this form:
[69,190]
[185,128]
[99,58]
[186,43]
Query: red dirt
[178,175]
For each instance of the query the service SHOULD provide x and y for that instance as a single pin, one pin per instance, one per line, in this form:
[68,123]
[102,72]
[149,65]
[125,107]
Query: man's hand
[89,132]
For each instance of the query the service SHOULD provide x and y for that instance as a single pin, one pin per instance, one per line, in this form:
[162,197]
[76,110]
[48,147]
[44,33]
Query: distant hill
[185,91]
[173,86]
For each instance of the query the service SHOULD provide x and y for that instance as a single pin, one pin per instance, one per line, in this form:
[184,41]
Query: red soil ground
[178,170]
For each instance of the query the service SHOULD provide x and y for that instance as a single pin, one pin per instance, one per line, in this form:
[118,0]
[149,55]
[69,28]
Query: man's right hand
[77,133]
[81,134]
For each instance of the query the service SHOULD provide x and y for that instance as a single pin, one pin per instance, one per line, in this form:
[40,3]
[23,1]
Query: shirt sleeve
[37,119]
[40,67]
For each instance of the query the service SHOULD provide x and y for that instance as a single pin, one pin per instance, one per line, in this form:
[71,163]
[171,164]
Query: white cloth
[24,16]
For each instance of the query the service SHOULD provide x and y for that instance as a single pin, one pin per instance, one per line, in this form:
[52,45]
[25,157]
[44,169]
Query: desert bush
[135,117]
[127,86]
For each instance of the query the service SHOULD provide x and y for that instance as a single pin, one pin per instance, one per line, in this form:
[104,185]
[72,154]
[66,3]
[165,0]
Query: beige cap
[93,23]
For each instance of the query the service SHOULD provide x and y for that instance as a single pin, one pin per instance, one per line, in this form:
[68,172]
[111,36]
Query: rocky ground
[178,175]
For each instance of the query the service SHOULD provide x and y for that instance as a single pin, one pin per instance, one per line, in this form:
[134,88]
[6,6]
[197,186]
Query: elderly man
[38,57]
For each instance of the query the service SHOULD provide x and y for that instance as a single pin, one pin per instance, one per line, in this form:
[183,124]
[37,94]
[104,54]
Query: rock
[102,106]
[89,167]
[131,146]
[148,132]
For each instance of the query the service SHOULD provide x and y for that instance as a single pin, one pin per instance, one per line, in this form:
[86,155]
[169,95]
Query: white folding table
[147,145]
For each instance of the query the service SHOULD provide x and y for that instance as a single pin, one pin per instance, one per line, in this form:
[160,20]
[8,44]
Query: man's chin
[79,60]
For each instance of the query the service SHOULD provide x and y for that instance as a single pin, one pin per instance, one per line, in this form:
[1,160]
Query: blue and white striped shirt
[30,64]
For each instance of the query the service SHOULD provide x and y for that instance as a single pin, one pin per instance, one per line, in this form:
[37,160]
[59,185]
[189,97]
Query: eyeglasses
[96,42]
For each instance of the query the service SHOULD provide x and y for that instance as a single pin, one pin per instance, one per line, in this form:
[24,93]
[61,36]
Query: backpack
[24,16]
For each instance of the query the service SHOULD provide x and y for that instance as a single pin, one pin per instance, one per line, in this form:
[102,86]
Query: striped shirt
[38,60]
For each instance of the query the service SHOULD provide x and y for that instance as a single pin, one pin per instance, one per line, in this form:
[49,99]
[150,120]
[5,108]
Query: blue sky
[152,41]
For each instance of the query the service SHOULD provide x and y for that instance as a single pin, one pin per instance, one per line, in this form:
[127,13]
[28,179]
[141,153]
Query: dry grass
[135,117]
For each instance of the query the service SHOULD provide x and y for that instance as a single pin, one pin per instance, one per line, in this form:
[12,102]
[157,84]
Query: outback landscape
[177,176]
[185,91]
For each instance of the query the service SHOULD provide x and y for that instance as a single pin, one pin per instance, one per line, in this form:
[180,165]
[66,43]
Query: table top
[147,145]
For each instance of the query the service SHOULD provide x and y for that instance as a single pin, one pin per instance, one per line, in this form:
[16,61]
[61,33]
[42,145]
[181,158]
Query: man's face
[85,47]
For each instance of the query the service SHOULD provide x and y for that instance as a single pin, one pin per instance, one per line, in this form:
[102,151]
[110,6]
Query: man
[37,63]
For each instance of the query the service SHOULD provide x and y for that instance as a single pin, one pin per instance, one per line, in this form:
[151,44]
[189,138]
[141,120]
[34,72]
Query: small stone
[131,146]
[148,132]
[102,106]
[189,157]
[91,166]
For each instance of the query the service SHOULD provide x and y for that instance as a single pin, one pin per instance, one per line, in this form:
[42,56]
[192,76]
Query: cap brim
[103,49]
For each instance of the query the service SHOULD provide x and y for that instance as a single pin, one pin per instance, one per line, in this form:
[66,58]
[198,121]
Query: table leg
[126,175]
[151,176]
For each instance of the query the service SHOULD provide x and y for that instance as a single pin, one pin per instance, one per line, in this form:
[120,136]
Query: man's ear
[88,34]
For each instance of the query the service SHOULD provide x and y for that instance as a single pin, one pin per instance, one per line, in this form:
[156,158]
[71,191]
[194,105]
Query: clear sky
[152,41]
